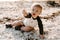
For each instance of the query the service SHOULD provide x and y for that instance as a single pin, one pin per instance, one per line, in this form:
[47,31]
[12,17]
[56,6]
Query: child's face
[36,11]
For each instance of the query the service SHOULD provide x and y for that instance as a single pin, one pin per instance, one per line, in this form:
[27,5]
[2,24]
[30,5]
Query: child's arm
[40,25]
[26,15]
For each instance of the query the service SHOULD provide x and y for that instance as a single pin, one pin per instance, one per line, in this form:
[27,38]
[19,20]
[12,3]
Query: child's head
[36,10]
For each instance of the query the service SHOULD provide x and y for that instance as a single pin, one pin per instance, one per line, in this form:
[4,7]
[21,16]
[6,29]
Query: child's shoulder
[38,17]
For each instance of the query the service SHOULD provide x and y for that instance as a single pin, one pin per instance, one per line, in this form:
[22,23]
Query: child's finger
[24,11]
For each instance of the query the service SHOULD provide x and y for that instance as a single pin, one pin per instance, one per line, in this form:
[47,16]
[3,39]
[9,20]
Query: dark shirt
[40,25]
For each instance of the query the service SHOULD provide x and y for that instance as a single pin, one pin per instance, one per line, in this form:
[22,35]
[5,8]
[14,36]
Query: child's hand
[24,13]
[41,36]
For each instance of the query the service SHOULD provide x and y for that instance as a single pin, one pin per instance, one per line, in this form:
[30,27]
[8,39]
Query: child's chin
[34,17]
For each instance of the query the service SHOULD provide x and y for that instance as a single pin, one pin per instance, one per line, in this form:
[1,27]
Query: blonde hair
[36,5]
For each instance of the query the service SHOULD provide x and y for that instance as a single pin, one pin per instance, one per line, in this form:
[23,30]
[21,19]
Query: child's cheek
[33,15]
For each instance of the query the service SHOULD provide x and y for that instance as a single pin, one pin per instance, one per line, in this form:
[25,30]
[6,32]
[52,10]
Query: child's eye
[36,10]
[33,9]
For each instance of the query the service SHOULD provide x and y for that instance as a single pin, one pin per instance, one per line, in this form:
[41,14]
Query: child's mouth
[33,14]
